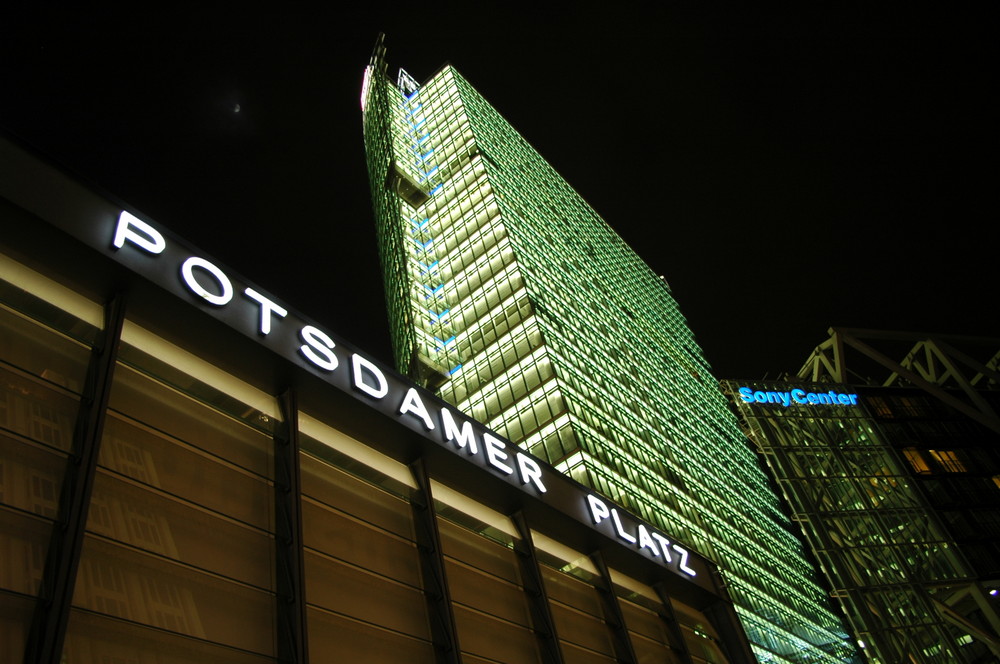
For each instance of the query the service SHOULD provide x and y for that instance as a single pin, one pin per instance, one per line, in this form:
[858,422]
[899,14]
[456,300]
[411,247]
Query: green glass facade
[512,299]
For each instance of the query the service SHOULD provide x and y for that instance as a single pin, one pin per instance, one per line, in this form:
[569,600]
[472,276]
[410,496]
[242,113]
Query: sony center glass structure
[513,300]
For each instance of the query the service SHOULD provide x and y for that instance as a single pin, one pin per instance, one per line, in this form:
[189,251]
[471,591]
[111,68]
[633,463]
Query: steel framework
[933,363]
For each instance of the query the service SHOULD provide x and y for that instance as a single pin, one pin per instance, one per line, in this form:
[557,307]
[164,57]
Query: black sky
[785,170]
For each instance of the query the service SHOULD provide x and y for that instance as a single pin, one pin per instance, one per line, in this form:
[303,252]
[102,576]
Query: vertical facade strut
[534,588]
[442,616]
[48,625]
[613,615]
[673,627]
[723,617]
[292,636]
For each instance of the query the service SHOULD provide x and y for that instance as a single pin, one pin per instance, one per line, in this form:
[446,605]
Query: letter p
[598,510]
[139,233]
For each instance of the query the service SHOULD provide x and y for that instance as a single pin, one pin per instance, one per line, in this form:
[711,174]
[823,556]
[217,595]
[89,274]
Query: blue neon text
[799,397]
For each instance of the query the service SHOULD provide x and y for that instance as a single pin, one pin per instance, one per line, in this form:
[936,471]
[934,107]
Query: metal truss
[945,366]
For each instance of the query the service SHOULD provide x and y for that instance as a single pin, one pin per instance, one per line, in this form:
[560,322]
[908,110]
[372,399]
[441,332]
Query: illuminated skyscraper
[512,299]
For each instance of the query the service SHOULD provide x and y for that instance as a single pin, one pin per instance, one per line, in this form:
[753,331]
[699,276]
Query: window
[949,461]
[917,461]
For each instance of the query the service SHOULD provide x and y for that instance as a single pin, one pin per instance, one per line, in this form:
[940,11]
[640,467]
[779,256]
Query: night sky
[787,171]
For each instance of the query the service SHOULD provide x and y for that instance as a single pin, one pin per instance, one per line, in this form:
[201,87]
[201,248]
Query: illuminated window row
[510,312]
[530,414]
[506,354]
[494,295]
[499,356]
[609,431]
[451,210]
[508,388]
[463,265]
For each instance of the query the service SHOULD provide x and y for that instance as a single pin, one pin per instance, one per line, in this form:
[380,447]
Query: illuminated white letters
[318,348]
[187,272]
[495,454]
[368,381]
[645,541]
[464,437]
[414,406]
[494,450]
[598,510]
[530,472]
[139,233]
[267,308]
[618,528]
[683,553]
[664,544]
[645,538]
[360,367]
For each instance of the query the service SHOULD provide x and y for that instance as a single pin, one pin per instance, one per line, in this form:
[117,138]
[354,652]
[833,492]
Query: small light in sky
[236,108]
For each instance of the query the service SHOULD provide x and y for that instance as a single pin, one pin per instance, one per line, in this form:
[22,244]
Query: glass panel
[327,485]
[33,349]
[651,651]
[96,639]
[36,410]
[487,554]
[491,610]
[571,591]
[242,442]
[49,304]
[357,543]
[181,517]
[334,638]
[492,638]
[30,476]
[576,610]
[15,617]
[159,523]
[197,378]
[574,654]
[362,595]
[142,454]
[699,634]
[471,587]
[43,365]
[643,621]
[147,589]
[701,648]
[362,566]
[25,539]
[653,636]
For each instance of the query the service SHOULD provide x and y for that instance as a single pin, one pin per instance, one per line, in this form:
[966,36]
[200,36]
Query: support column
[444,634]
[722,614]
[290,591]
[48,625]
[613,615]
[534,587]
[669,619]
